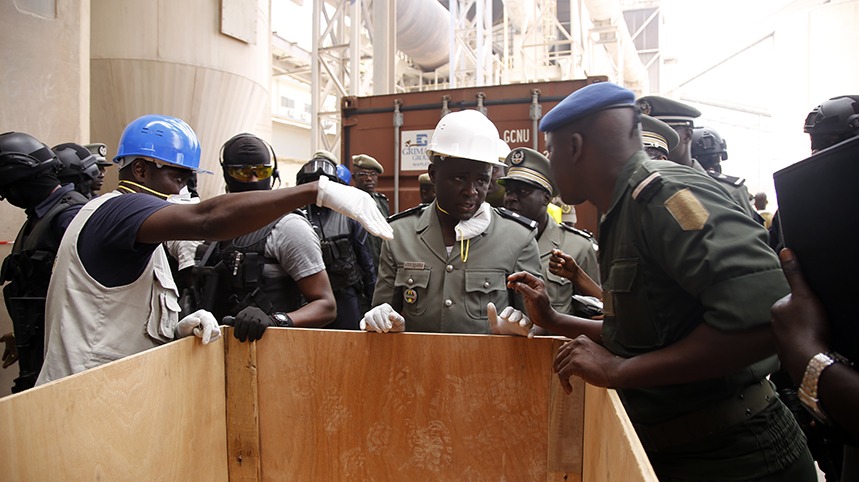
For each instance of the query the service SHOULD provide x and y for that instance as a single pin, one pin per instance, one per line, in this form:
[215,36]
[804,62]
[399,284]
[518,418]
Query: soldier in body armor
[99,150]
[28,180]
[709,149]
[346,249]
[273,276]
[78,167]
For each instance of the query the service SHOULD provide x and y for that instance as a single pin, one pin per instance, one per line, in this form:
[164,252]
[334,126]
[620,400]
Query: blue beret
[586,101]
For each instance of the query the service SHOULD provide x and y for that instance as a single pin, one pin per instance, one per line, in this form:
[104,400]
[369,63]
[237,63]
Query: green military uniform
[675,254]
[439,292]
[381,203]
[363,161]
[737,189]
[577,244]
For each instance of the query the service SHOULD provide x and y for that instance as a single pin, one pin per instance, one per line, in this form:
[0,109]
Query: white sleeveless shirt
[89,324]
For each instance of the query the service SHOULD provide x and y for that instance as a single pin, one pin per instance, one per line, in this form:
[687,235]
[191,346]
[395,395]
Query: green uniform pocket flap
[622,275]
[412,278]
[485,281]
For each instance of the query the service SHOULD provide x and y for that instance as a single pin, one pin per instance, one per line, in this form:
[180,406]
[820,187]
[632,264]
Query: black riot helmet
[78,163]
[708,147]
[833,121]
[22,155]
[318,166]
[246,157]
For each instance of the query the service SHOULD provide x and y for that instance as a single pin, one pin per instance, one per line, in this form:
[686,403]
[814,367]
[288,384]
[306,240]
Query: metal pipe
[536,112]
[398,124]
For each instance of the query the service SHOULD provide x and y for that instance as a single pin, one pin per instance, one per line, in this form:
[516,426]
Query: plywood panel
[365,406]
[612,451]
[242,409]
[158,415]
[566,430]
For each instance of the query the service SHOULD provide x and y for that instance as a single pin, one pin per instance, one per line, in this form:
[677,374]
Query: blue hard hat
[344,174]
[162,137]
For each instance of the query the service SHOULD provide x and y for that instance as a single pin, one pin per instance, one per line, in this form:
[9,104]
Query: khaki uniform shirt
[576,244]
[676,252]
[441,293]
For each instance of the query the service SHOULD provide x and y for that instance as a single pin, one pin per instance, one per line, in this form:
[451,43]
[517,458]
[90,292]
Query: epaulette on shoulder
[645,182]
[408,212]
[380,195]
[506,213]
[581,232]
[734,181]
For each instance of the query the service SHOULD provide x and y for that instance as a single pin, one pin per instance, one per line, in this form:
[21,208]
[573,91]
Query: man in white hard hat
[446,269]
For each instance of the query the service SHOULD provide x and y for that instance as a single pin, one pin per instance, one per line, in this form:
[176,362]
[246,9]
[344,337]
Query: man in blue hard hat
[688,281]
[117,296]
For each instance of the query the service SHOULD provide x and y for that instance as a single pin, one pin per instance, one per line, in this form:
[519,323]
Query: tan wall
[44,92]
[167,57]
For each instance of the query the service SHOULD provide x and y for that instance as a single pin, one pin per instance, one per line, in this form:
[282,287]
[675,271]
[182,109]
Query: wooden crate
[323,405]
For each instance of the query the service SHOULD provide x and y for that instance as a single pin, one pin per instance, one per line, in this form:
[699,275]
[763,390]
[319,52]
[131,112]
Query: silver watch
[281,319]
[808,388]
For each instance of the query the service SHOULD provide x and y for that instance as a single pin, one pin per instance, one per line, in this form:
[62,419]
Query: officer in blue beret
[688,281]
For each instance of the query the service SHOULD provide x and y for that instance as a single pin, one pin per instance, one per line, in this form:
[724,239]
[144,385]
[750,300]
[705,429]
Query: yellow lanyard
[464,244]
[124,187]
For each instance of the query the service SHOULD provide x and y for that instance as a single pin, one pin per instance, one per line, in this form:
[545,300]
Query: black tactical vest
[335,237]
[229,277]
[28,271]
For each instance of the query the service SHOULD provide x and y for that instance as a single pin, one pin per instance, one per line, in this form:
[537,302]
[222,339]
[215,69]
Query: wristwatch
[808,388]
[281,319]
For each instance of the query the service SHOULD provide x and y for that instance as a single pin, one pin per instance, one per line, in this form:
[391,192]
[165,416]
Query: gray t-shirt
[295,246]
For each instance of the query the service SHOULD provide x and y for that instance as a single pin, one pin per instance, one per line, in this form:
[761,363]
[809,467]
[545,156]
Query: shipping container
[396,128]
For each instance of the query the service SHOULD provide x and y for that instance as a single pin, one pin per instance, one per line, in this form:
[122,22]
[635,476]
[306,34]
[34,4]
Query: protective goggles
[245,173]
[320,166]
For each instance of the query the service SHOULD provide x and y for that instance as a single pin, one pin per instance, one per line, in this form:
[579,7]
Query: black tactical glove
[251,323]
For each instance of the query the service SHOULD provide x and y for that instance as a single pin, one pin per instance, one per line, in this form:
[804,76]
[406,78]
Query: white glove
[201,324]
[354,203]
[383,319]
[510,322]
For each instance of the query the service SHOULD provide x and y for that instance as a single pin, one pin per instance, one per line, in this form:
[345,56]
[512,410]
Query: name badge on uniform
[414,265]
[410,296]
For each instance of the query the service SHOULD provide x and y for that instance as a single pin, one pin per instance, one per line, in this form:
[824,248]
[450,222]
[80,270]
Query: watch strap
[281,320]
[808,388]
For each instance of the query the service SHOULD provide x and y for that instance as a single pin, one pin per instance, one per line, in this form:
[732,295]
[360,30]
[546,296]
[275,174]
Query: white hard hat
[503,150]
[466,134]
